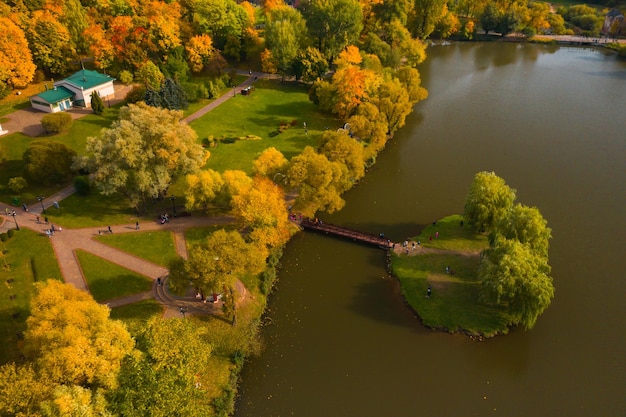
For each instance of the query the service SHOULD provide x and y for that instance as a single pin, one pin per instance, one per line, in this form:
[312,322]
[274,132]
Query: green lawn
[157,247]
[134,315]
[30,258]
[107,280]
[261,113]
[454,303]
[452,236]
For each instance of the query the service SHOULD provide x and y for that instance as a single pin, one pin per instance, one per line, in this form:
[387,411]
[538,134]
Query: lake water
[552,122]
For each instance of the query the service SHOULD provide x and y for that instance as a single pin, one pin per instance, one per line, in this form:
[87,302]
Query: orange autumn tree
[100,46]
[352,84]
[199,52]
[16,62]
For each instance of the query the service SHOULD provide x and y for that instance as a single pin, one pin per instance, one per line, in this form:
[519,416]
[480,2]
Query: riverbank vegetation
[482,272]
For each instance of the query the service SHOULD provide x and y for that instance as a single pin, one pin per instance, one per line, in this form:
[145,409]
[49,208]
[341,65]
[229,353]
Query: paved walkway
[68,241]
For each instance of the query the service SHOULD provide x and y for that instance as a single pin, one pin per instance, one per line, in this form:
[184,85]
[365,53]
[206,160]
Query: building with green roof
[74,91]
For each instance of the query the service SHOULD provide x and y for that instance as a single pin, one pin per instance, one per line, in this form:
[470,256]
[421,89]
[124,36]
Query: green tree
[17,184]
[165,379]
[47,162]
[97,105]
[284,37]
[49,42]
[427,14]
[215,263]
[142,153]
[488,202]
[335,24]
[310,64]
[514,277]
[527,226]
[490,19]
[71,339]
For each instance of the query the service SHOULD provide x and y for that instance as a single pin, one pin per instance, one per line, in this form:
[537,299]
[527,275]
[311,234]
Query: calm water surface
[550,121]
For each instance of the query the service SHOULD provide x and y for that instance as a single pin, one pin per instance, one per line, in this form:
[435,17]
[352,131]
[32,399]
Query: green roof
[55,95]
[88,79]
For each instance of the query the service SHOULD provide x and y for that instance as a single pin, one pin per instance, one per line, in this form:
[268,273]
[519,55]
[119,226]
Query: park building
[73,91]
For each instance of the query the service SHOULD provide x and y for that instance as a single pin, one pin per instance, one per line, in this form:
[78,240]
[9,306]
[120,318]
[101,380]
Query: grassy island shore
[445,257]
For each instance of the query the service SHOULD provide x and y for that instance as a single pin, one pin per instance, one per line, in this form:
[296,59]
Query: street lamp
[14,214]
[173,198]
[40,199]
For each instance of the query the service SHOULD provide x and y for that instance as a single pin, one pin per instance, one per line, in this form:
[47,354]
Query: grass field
[156,247]
[107,280]
[134,315]
[30,259]
[454,303]
[261,113]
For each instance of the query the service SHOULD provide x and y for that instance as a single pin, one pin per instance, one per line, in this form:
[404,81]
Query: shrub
[17,184]
[10,233]
[195,91]
[97,105]
[56,122]
[4,237]
[137,94]
[81,185]
[47,162]
[126,77]
[4,89]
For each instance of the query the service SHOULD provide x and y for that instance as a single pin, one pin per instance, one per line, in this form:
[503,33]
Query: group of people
[52,229]
[165,218]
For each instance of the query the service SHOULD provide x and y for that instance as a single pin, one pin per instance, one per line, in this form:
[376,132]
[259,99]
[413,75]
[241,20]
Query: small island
[482,272]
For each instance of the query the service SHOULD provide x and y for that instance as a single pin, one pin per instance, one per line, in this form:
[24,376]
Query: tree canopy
[71,339]
[143,153]
[488,201]
[514,271]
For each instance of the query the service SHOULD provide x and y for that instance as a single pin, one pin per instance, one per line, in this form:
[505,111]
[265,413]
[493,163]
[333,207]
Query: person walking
[136,225]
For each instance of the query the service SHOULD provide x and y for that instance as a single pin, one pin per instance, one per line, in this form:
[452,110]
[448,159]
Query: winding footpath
[66,242]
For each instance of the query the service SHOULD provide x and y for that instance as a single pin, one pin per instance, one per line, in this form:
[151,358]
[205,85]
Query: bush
[10,233]
[56,122]
[4,237]
[17,184]
[81,185]
[529,32]
[137,94]
[215,88]
[47,162]
[125,77]
[4,89]
[195,91]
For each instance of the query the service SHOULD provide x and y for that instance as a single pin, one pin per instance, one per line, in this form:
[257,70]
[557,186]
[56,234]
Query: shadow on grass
[118,286]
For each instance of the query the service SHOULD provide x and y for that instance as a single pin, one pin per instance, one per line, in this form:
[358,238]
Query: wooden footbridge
[330,229]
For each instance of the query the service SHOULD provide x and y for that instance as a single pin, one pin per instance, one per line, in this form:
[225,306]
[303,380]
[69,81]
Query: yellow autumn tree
[202,189]
[71,339]
[269,163]
[262,207]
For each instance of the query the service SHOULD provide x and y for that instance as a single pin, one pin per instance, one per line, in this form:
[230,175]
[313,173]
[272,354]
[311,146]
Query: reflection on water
[551,122]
